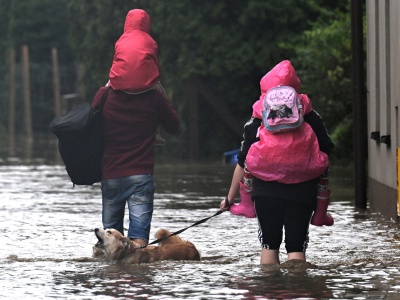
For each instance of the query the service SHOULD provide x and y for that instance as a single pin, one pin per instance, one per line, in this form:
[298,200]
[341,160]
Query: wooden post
[195,87]
[56,93]
[11,104]
[27,102]
[56,82]
[81,88]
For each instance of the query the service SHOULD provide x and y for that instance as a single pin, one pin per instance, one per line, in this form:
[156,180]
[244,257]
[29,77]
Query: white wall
[383,87]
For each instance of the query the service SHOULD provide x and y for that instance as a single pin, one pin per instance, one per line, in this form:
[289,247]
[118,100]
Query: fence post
[27,102]
[11,103]
[56,93]
[81,88]
[56,82]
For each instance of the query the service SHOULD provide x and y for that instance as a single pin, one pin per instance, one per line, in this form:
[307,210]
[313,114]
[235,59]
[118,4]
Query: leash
[183,229]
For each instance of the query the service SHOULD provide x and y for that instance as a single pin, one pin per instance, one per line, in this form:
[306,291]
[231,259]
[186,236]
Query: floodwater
[46,234]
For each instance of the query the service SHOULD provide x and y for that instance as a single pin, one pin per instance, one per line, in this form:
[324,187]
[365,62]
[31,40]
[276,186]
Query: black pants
[274,214]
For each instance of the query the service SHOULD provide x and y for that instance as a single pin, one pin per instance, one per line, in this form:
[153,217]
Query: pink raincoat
[286,157]
[135,65]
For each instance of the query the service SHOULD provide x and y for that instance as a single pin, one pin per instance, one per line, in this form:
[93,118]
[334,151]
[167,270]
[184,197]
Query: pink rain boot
[321,217]
[246,205]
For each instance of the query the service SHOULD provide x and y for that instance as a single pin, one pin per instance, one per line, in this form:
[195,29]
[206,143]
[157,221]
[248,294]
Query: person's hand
[224,205]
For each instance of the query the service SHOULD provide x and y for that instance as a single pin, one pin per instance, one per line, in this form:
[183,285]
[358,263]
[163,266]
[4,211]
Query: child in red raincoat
[135,67]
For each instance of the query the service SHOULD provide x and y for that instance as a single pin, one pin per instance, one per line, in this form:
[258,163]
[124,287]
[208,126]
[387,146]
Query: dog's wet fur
[116,247]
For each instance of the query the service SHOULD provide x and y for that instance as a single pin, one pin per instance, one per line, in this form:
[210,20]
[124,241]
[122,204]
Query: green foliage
[94,28]
[323,61]
[40,24]
[343,138]
[229,45]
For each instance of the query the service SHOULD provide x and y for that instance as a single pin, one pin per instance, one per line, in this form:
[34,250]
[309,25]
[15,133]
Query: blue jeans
[138,192]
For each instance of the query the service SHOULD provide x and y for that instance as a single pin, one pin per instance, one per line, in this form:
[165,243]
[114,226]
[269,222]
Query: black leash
[181,230]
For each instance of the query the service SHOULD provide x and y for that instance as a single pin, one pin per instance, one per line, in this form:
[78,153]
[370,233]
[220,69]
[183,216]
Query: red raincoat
[287,157]
[135,65]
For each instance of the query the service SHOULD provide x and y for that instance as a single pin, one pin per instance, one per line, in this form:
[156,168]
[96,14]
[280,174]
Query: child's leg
[269,257]
[297,255]
[158,86]
[321,217]
[159,140]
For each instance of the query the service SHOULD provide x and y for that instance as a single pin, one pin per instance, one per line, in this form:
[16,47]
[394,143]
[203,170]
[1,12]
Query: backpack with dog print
[282,109]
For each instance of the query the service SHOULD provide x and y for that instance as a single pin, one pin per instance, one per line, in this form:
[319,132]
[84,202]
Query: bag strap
[104,98]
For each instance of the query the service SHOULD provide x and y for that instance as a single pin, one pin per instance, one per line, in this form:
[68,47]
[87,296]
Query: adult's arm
[249,137]
[318,126]
[168,117]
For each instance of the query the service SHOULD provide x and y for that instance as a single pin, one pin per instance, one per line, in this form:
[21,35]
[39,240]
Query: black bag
[80,140]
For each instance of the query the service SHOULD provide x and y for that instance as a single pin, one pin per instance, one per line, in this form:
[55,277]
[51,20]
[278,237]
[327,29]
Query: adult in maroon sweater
[129,124]
[131,114]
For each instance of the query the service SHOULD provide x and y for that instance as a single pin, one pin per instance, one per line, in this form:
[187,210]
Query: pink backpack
[282,109]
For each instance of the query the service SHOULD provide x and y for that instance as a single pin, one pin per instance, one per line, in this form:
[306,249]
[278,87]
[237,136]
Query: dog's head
[112,242]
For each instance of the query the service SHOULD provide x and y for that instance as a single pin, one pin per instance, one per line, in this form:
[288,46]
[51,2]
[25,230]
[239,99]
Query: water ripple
[46,229]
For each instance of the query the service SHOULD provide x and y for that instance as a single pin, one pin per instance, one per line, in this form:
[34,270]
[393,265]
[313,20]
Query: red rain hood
[287,157]
[135,64]
[282,74]
[137,19]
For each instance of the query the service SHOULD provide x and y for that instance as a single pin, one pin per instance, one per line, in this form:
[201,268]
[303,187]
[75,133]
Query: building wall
[383,100]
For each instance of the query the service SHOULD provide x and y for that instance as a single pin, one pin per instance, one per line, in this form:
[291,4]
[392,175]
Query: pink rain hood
[287,157]
[135,65]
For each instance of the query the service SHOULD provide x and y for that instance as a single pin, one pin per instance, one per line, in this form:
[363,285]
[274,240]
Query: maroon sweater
[129,125]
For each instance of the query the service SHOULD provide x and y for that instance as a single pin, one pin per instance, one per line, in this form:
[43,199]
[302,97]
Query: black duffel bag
[80,140]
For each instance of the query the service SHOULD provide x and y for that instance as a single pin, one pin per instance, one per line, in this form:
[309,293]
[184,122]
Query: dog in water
[121,249]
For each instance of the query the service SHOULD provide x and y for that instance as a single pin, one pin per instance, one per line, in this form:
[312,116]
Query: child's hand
[224,205]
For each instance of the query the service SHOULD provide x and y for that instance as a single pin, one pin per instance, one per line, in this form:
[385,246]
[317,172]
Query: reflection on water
[46,229]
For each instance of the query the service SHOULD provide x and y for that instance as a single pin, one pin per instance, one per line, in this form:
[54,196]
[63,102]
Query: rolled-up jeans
[138,192]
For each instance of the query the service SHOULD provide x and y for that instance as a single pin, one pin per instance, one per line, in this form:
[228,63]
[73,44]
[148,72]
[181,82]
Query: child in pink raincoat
[135,67]
[286,169]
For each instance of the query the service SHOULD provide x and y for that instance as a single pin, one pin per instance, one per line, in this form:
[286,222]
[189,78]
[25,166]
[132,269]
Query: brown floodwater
[46,229]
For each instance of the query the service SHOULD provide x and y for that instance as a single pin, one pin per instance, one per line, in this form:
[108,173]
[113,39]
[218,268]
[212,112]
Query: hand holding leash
[224,206]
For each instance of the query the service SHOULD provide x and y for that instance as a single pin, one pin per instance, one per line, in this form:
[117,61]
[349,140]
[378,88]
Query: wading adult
[286,167]
[134,109]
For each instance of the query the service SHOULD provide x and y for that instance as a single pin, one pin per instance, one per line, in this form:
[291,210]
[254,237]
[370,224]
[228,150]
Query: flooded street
[47,234]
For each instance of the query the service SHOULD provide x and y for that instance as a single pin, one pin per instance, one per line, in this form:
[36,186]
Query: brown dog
[117,247]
